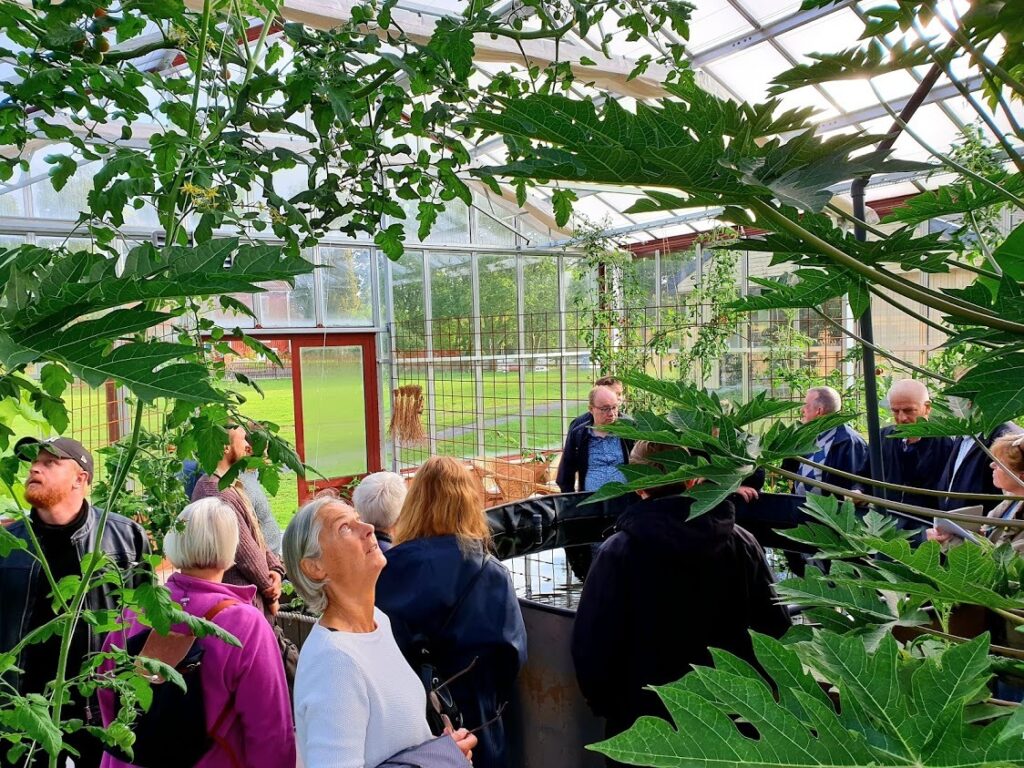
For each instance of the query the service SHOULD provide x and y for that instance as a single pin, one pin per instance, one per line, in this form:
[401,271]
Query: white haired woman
[357,701]
[248,713]
[378,500]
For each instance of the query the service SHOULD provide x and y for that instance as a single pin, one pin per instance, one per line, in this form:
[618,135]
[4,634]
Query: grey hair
[826,398]
[205,536]
[378,499]
[302,541]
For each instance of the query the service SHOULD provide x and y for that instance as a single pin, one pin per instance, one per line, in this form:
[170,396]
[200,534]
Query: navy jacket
[423,581]
[920,466]
[662,590]
[974,475]
[576,455]
[848,453]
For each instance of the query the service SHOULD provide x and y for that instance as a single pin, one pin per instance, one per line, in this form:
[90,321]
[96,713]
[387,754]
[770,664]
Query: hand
[273,592]
[934,534]
[747,493]
[464,740]
[273,607]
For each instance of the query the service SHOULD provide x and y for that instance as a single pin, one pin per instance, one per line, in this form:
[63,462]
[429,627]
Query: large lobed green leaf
[894,709]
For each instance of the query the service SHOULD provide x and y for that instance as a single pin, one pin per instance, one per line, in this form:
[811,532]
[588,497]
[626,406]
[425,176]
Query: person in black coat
[912,461]
[442,591]
[967,469]
[662,591]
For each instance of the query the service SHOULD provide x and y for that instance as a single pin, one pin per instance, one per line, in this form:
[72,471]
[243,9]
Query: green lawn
[335,438]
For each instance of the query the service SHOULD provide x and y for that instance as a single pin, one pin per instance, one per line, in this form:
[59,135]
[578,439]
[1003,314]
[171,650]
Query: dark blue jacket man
[579,459]
[968,470]
[908,461]
[839,448]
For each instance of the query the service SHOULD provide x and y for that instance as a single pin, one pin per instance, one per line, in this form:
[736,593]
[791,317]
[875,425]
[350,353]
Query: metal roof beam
[875,111]
[766,32]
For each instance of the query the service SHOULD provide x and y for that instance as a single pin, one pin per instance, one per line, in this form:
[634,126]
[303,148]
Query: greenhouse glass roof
[736,47]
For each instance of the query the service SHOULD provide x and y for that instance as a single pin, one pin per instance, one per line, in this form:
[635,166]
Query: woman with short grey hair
[378,500]
[357,701]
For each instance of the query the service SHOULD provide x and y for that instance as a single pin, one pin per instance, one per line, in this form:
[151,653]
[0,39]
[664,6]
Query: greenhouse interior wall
[489,317]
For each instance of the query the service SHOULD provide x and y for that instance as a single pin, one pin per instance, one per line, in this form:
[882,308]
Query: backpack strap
[215,734]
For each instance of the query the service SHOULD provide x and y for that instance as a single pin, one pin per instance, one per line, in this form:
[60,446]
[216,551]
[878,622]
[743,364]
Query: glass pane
[407,288]
[348,295]
[451,299]
[281,306]
[498,315]
[494,229]
[541,304]
[334,409]
[228,318]
[48,203]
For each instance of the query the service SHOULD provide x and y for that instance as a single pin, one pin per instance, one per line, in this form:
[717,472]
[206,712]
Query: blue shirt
[603,459]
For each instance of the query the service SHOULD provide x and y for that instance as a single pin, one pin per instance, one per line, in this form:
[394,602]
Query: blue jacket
[423,582]
[848,453]
[974,474]
[576,457]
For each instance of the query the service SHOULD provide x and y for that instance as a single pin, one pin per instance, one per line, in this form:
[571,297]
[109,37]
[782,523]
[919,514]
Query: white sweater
[357,700]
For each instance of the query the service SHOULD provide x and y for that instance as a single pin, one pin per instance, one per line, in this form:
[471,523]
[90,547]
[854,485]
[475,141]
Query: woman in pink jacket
[244,688]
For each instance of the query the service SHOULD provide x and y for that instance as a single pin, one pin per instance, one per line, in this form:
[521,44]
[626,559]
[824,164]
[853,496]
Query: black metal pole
[865,328]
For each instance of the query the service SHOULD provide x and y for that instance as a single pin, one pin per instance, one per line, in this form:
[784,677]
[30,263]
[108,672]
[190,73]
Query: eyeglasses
[492,721]
[606,409]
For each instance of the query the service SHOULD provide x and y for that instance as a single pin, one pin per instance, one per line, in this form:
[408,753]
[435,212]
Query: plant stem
[121,474]
[897,487]
[902,287]
[1009,616]
[896,505]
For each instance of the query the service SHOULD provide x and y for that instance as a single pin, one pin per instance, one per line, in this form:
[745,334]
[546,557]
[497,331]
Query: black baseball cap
[61,447]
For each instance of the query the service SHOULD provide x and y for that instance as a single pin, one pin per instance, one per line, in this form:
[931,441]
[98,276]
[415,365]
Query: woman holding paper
[1009,452]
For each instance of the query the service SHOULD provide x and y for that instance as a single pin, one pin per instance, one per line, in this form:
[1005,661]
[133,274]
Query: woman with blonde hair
[451,604]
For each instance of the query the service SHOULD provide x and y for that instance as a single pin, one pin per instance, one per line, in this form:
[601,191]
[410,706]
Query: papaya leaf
[894,709]
[996,387]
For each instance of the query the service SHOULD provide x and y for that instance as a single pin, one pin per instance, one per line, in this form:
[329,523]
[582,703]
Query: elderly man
[839,448]
[591,457]
[66,526]
[615,385]
[378,500]
[967,468]
[912,461]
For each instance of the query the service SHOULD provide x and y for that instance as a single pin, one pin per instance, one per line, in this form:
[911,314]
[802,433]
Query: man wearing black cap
[66,526]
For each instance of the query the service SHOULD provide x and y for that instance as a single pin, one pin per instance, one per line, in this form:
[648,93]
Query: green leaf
[454,43]
[1010,255]
[54,379]
[893,709]
[996,388]
[391,241]
[561,201]
[9,542]
[64,167]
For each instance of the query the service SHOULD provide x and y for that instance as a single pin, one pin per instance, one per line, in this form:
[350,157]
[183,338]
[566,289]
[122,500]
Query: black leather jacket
[123,539]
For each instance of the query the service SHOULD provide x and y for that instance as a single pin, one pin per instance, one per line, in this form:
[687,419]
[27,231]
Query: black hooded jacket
[661,591]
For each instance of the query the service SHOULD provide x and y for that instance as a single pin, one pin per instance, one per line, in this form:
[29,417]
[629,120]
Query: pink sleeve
[261,697]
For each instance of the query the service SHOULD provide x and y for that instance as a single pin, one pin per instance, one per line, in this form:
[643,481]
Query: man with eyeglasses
[591,457]
[615,385]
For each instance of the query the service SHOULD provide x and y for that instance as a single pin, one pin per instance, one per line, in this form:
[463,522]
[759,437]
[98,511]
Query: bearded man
[66,527]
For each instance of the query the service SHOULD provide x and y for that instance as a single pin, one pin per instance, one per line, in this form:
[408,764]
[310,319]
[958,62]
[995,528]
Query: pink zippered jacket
[251,679]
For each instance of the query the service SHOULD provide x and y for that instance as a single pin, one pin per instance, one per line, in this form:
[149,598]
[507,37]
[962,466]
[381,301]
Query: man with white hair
[839,448]
[378,500]
[912,461]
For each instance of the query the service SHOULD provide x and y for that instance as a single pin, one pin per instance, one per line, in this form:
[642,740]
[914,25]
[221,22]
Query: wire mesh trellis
[508,385]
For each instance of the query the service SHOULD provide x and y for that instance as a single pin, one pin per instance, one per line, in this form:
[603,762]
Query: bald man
[913,461]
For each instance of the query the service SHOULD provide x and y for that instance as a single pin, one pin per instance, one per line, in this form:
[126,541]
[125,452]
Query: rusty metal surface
[550,722]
